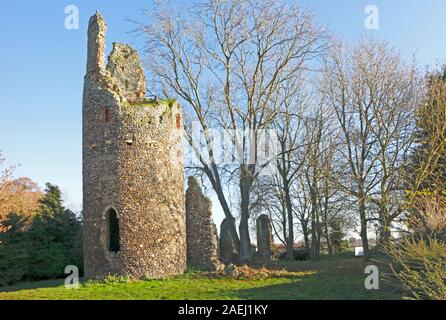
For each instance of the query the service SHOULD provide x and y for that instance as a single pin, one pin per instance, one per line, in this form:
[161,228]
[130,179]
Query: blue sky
[42,65]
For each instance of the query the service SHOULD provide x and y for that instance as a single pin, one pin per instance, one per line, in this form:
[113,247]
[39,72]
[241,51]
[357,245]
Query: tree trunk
[363,218]
[314,236]
[327,235]
[385,224]
[245,240]
[325,216]
[290,238]
[284,224]
[314,219]
[306,237]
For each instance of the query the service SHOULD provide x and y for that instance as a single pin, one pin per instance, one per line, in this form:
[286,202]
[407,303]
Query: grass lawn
[326,279]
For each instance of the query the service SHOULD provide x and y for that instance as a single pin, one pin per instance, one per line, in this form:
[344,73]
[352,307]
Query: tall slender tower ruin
[133,183]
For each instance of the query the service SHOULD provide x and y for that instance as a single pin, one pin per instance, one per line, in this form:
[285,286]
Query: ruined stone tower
[133,184]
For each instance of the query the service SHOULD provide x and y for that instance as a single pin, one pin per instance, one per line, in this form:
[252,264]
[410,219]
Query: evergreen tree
[42,245]
[54,237]
[14,253]
[428,168]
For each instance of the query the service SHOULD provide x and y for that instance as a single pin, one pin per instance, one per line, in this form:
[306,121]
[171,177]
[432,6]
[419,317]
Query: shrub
[13,251]
[298,255]
[344,246]
[427,211]
[419,267]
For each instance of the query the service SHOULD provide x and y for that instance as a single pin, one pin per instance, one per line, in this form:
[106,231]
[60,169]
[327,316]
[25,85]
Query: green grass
[340,279]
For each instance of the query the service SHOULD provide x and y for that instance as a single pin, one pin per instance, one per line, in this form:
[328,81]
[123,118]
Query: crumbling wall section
[228,249]
[202,243]
[265,241]
[125,67]
[96,44]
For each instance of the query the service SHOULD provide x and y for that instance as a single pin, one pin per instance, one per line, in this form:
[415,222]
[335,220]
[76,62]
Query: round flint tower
[134,210]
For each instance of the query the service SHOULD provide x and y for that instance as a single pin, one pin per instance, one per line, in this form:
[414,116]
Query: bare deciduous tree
[225,62]
[373,94]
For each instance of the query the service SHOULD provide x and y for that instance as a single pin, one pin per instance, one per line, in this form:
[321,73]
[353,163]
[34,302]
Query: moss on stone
[131,110]
[154,102]
[122,52]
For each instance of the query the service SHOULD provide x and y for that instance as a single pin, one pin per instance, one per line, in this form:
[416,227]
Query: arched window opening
[105,116]
[113,231]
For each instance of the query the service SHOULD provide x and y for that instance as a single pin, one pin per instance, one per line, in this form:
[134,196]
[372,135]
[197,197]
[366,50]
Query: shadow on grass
[33,285]
[314,287]
[333,280]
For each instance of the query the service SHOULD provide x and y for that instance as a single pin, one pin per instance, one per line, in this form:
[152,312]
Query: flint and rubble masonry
[133,179]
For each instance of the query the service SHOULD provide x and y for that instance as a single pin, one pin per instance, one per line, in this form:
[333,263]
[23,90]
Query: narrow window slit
[113,231]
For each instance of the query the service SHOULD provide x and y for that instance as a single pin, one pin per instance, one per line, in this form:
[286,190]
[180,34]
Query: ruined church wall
[202,242]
